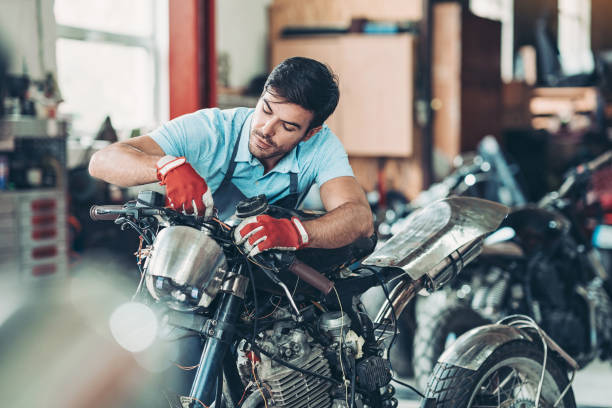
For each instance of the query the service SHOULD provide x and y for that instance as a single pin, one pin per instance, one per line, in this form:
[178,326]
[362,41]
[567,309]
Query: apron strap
[232,164]
[293,183]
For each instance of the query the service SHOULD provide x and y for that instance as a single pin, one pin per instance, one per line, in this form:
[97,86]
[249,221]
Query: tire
[439,322]
[456,387]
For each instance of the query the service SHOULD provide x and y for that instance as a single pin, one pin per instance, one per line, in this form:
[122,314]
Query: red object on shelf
[44,234]
[43,219]
[43,205]
[41,270]
[44,252]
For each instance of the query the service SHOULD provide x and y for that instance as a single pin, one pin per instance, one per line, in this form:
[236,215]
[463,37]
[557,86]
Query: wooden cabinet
[338,13]
[375,114]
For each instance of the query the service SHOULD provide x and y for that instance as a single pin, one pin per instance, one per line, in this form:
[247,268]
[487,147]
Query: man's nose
[268,128]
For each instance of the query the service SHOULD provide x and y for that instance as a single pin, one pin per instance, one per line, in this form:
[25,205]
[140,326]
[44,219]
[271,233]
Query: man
[214,157]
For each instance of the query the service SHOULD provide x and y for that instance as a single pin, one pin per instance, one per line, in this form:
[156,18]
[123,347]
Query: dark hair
[307,83]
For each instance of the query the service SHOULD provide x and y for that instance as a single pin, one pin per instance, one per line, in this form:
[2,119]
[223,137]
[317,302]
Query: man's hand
[185,189]
[262,232]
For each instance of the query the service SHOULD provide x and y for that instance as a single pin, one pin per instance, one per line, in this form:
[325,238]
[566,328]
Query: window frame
[152,44]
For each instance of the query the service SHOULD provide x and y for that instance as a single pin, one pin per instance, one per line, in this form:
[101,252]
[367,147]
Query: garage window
[574,36]
[112,61]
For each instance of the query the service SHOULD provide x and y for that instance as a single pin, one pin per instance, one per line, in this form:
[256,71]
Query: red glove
[262,232]
[185,189]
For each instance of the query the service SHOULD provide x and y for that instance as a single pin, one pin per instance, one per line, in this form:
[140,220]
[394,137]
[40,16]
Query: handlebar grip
[105,212]
[311,276]
[600,161]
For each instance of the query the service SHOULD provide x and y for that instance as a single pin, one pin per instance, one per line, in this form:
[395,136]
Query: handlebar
[300,269]
[112,212]
[490,150]
[106,212]
[583,171]
[311,276]
[578,174]
[600,161]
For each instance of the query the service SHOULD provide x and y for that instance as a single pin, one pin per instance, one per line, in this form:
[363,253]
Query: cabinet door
[325,50]
[377,89]
[374,116]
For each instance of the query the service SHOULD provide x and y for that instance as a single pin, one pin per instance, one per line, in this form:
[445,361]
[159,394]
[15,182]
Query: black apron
[228,195]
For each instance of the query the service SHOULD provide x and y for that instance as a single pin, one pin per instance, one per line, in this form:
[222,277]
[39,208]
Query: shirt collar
[289,162]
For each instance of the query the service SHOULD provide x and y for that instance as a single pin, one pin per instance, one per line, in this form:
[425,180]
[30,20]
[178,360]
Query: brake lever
[271,270]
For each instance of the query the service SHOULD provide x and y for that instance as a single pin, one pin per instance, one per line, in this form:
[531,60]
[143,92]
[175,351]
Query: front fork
[220,333]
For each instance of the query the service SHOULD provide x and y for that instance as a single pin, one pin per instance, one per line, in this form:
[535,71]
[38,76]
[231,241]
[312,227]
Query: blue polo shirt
[207,137]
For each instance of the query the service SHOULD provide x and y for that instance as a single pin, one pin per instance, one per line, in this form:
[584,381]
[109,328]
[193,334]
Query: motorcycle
[315,345]
[542,263]
[484,173]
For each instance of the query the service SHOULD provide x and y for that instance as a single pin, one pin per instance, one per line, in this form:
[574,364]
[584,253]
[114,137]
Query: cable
[142,275]
[244,393]
[522,321]
[566,389]
[280,299]
[296,368]
[255,302]
[419,393]
[340,351]
[257,382]
[383,330]
[393,314]
[254,335]
[197,400]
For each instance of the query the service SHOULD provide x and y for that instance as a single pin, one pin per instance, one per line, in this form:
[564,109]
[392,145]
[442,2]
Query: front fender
[473,347]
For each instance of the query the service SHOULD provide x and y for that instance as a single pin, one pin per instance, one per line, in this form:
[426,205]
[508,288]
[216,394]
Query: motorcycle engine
[285,387]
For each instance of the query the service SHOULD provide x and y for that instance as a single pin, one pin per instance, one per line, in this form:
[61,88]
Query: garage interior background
[421,83]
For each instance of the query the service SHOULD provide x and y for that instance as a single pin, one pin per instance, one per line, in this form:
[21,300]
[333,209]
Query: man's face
[277,127]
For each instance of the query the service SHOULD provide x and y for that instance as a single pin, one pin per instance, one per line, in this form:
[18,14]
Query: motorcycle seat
[508,250]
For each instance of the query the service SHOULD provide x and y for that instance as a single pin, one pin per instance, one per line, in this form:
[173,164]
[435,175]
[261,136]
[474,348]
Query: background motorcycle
[484,174]
[540,263]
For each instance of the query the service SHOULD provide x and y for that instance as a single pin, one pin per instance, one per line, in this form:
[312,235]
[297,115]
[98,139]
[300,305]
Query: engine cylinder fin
[291,388]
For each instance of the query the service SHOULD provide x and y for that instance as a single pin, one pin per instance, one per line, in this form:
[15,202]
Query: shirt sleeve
[193,136]
[334,160]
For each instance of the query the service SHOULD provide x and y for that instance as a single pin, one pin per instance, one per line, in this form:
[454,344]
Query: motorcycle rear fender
[472,349]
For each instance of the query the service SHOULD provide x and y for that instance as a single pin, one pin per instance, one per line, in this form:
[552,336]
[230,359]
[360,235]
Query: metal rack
[33,220]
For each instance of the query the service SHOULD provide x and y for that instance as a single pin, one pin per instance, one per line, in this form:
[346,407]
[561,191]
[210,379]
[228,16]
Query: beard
[263,148]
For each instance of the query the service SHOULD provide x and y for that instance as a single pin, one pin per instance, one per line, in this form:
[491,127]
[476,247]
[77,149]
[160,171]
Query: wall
[601,30]
[526,13]
[30,50]
[242,32]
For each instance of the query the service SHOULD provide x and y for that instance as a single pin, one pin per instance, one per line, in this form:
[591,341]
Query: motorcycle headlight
[186,268]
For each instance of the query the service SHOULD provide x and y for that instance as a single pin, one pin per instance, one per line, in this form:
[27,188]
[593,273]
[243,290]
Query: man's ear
[311,133]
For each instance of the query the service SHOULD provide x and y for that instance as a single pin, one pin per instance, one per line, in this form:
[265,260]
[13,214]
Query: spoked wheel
[508,378]
[439,323]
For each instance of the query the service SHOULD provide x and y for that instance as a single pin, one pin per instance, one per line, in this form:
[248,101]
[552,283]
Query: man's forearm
[340,227]
[124,165]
